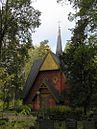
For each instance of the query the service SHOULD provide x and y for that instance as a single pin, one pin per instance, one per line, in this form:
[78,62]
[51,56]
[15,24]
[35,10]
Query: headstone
[71,123]
[46,124]
[89,124]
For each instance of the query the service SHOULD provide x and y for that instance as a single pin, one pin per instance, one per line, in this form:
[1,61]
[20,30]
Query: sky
[51,14]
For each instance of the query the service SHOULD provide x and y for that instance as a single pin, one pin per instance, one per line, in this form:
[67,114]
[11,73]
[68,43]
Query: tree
[80,59]
[86,20]
[18,19]
[80,67]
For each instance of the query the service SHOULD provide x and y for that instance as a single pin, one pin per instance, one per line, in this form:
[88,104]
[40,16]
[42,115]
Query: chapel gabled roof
[34,72]
[32,76]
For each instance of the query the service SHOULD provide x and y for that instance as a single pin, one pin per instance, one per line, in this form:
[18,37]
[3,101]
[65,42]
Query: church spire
[59,43]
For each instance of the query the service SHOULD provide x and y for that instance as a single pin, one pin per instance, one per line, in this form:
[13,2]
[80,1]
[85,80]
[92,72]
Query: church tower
[59,43]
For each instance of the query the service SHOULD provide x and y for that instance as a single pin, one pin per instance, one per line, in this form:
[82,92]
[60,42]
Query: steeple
[59,43]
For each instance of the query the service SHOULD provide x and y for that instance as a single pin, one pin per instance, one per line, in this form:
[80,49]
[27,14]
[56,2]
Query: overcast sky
[52,12]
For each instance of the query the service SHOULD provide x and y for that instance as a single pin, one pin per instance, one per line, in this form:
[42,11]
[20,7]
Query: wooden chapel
[46,83]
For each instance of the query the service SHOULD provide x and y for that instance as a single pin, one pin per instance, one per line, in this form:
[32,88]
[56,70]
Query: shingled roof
[34,72]
[32,76]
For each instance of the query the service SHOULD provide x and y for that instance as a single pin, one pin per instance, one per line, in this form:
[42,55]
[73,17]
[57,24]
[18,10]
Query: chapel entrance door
[44,101]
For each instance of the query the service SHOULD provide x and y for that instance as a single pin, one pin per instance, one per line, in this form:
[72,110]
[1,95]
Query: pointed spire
[59,43]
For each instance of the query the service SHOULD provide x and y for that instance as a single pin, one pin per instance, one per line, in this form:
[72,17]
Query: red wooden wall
[58,79]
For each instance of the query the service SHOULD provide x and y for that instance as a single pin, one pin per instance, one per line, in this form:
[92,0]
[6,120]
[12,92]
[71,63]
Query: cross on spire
[59,22]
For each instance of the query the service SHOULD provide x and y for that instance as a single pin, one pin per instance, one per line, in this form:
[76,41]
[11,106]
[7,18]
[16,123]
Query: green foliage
[18,19]
[5,80]
[25,109]
[18,117]
[80,57]
[86,20]
[4,77]
[61,112]
[35,53]
[64,109]
[80,67]
[23,122]
[3,122]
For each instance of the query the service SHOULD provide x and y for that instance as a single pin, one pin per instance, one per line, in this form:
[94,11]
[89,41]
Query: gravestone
[89,124]
[46,124]
[71,123]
